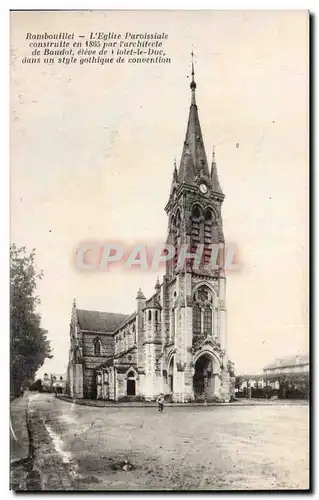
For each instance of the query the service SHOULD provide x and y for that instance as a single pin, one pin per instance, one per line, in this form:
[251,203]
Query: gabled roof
[97,321]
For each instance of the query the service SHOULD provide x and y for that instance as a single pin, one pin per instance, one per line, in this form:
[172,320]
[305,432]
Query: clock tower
[195,283]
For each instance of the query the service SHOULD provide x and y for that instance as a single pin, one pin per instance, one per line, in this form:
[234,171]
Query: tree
[231,368]
[29,346]
[36,386]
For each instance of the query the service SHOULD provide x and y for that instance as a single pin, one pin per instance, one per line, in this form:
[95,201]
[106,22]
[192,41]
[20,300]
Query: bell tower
[194,205]
[195,284]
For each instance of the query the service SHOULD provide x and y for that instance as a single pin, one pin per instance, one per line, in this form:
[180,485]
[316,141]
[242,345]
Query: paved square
[243,447]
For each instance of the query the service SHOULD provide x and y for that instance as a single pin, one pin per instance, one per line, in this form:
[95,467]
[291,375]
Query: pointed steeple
[214,176]
[193,161]
[175,180]
[175,174]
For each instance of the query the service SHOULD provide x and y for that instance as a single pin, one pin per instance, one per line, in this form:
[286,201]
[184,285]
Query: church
[175,342]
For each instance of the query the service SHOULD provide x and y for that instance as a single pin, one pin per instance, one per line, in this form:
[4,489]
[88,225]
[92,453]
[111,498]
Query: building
[289,376]
[54,383]
[298,364]
[58,383]
[46,383]
[286,377]
[175,341]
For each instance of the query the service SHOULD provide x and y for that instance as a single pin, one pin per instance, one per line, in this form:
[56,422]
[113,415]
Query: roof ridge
[98,311]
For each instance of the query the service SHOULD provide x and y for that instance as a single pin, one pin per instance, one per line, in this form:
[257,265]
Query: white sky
[92,152]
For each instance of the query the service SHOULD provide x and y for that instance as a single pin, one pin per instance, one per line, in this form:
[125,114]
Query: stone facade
[175,342]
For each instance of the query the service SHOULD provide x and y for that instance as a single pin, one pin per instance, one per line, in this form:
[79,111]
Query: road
[224,447]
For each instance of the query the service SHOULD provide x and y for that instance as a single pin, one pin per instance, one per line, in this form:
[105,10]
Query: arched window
[156,316]
[196,213]
[197,232]
[149,315]
[178,223]
[208,219]
[175,239]
[197,319]
[173,325]
[208,215]
[208,323]
[97,347]
[134,334]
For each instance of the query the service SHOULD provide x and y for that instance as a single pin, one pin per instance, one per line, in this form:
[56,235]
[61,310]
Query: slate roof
[98,321]
[127,320]
[289,361]
[153,303]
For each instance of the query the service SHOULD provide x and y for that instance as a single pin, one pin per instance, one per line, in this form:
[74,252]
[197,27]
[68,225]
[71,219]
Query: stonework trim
[97,332]
[170,356]
[209,351]
[208,285]
[130,370]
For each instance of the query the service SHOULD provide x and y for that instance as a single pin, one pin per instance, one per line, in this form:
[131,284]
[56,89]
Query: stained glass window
[208,324]
[196,319]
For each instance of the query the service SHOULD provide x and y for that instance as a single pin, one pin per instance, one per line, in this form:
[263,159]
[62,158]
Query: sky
[92,154]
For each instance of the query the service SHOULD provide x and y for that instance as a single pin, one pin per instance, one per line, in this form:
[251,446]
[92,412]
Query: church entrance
[130,384]
[203,379]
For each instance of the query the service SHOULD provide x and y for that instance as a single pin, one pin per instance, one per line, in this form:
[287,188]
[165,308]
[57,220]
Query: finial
[140,294]
[193,83]
[74,302]
[157,285]
[213,154]
[175,163]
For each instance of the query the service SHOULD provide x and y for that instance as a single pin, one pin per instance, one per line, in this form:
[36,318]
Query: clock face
[203,188]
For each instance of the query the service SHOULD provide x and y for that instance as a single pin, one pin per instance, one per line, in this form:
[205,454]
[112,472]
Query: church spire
[193,83]
[175,174]
[214,176]
[193,163]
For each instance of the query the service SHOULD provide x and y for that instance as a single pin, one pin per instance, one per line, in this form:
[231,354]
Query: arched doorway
[171,375]
[203,380]
[130,384]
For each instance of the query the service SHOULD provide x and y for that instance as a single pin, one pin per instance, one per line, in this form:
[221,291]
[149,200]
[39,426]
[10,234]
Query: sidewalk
[19,439]
[36,464]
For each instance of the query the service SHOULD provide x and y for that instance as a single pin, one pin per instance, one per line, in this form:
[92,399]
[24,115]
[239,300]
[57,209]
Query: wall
[91,361]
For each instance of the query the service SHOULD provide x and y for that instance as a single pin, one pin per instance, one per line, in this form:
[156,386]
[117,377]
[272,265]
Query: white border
[4,170]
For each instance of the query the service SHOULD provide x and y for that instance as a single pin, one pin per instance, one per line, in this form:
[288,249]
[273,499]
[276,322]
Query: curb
[88,403]
[48,471]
